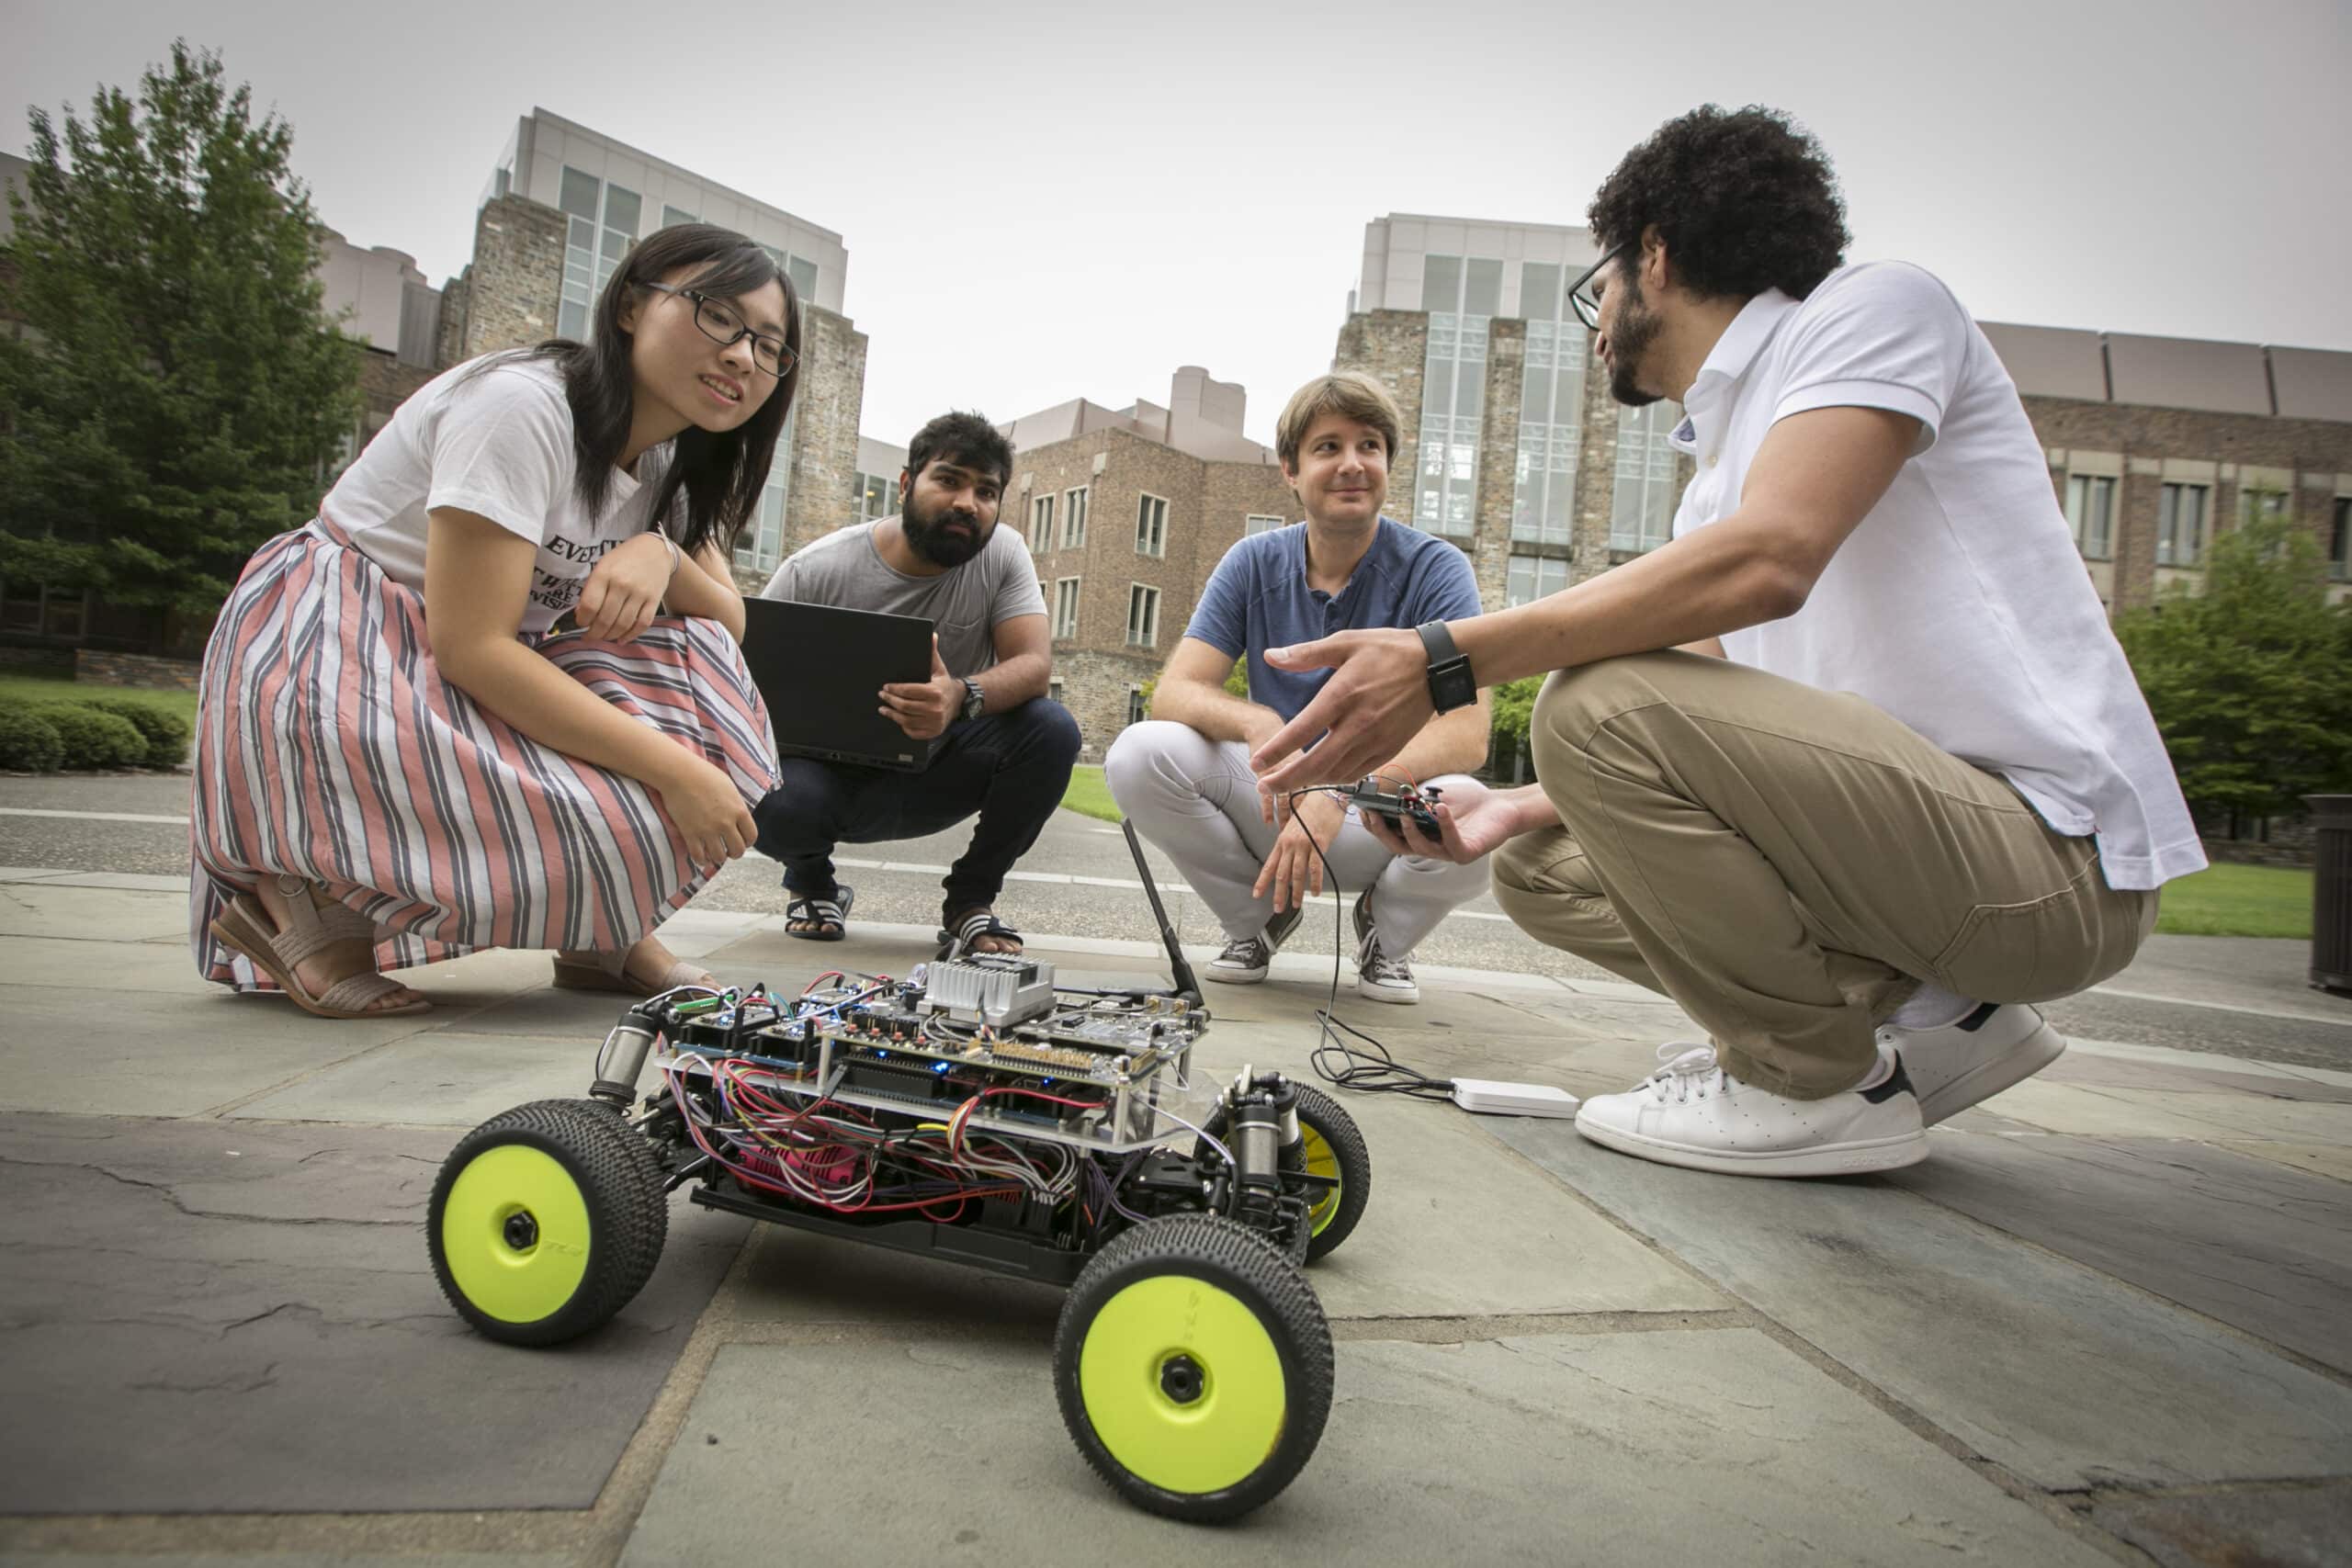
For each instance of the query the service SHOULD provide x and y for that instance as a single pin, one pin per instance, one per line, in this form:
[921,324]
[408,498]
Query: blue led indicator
[939,1067]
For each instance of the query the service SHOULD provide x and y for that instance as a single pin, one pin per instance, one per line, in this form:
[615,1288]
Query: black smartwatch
[1451,683]
[976,701]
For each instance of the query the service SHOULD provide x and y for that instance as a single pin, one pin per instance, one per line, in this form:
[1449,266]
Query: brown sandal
[245,927]
[609,972]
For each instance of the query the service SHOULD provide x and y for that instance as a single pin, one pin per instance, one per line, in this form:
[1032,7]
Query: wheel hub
[1181,1379]
[522,1231]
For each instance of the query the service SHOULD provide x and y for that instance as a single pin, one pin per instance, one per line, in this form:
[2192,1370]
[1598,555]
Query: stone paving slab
[2262,1248]
[446,1078]
[2265,1528]
[2168,1113]
[150,1053]
[90,914]
[209,1318]
[2062,1374]
[2332,1160]
[1609,1447]
[289,1559]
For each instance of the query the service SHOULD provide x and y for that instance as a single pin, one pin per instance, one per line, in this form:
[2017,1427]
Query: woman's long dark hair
[721,473]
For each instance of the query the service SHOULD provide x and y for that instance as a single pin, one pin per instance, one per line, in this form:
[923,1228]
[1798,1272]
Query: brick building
[1516,451]
[1127,512]
[564,203]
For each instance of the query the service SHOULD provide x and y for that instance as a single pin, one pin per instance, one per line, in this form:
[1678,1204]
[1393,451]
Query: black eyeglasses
[721,325]
[1587,307]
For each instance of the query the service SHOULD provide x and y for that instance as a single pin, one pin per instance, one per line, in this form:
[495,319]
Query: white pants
[1197,800]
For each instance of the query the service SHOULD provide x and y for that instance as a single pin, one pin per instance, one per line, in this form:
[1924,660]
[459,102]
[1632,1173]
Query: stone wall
[824,420]
[1489,546]
[515,284]
[1393,348]
[449,342]
[1096,688]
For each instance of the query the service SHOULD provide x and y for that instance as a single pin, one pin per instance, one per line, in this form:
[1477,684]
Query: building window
[1151,525]
[1136,712]
[2180,524]
[1531,577]
[1143,617]
[673,216]
[1551,411]
[2090,512]
[1053,690]
[600,224]
[760,546]
[1641,508]
[2339,567]
[803,272]
[1066,607]
[2260,505]
[872,496]
[1074,519]
[1462,293]
[1254,523]
[1041,525]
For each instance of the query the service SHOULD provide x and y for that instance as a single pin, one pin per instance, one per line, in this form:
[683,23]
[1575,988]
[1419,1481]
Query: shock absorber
[1262,1129]
[622,1057]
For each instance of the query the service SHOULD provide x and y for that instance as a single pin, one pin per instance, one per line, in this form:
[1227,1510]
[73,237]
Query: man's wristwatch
[976,701]
[1451,683]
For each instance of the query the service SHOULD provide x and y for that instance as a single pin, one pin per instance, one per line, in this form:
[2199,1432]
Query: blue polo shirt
[1257,598]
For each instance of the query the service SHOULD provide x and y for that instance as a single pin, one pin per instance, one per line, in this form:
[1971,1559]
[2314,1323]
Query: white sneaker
[1691,1112]
[1992,1048]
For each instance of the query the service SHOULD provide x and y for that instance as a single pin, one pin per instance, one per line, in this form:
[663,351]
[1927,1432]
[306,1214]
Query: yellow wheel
[1193,1368]
[545,1222]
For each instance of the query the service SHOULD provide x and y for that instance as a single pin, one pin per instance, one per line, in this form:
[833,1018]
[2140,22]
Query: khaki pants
[1788,864]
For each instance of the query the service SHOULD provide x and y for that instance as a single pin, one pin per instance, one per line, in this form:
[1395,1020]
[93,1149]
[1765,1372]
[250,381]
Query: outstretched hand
[1472,822]
[1376,700]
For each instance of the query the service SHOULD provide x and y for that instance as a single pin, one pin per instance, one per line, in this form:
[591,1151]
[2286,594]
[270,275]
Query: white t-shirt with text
[496,440]
[1959,605]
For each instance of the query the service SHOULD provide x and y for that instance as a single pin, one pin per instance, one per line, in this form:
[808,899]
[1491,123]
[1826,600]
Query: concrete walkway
[2105,1321]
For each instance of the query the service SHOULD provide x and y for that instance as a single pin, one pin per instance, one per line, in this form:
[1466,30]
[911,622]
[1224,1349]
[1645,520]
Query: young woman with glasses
[401,758]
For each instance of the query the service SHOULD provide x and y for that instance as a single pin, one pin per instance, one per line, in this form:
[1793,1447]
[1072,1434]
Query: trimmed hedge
[94,739]
[29,742]
[167,734]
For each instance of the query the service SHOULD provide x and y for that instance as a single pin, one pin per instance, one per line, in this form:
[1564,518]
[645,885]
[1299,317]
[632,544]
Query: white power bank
[1490,1097]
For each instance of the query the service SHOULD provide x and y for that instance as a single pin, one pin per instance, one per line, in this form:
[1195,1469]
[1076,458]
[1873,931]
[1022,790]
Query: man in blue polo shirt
[1184,777]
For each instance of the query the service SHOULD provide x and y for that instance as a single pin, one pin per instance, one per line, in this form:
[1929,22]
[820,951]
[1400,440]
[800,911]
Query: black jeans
[1010,767]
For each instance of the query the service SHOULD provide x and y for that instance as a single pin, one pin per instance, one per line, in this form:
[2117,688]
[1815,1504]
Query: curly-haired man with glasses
[1852,768]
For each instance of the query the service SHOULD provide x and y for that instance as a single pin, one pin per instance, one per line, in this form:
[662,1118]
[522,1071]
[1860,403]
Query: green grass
[1089,795]
[2239,901]
[50,689]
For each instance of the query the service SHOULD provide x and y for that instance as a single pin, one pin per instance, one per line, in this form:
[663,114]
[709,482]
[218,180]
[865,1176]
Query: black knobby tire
[1337,1130]
[1244,1267]
[618,1177]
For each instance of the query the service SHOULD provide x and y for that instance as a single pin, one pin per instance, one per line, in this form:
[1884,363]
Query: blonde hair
[1350,394]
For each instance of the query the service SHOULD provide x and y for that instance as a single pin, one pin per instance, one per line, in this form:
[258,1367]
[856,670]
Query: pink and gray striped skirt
[328,745]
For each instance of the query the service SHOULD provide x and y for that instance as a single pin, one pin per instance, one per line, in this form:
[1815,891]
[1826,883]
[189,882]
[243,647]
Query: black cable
[1375,1071]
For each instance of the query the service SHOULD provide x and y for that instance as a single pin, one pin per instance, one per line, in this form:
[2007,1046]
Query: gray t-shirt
[965,603]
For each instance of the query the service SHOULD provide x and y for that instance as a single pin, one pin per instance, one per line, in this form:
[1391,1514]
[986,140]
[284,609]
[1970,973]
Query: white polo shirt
[1958,605]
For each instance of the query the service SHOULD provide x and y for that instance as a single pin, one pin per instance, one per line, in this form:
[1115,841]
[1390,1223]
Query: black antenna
[1187,985]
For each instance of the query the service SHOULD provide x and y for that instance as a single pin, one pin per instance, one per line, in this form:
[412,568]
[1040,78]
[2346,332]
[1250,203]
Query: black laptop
[822,669]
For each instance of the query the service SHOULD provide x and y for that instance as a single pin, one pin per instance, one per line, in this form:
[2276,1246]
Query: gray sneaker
[1381,978]
[1245,961]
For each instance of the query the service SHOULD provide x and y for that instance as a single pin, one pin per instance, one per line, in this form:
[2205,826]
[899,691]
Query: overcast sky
[1047,201]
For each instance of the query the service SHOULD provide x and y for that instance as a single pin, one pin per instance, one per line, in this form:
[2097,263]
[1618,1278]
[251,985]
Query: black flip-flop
[976,925]
[829,915]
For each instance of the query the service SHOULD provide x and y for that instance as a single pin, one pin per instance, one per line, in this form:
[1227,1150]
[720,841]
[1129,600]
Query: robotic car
[978,1114]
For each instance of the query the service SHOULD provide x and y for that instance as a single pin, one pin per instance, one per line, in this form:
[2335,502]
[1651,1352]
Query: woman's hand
[624,590]
[708,811]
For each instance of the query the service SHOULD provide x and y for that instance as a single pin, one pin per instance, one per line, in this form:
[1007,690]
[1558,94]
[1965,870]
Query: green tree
[2251,680]
[1513,713]
[180,388]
